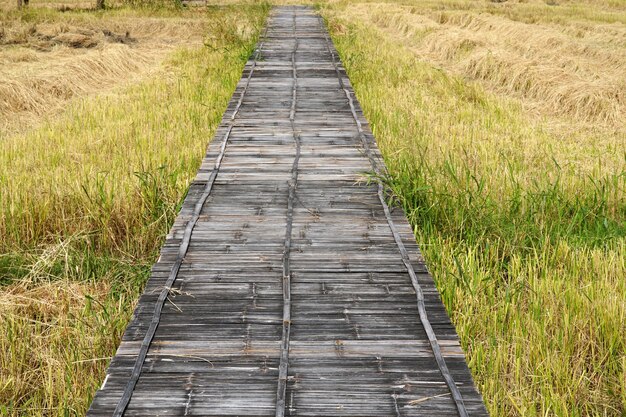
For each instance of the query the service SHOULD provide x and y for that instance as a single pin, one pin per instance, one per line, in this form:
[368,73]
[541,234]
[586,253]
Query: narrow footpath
[287,286]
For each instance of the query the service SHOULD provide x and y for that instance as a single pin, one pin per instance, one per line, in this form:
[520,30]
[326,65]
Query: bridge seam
[293,183]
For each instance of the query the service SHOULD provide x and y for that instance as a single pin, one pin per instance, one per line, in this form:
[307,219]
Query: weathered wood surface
[289,293]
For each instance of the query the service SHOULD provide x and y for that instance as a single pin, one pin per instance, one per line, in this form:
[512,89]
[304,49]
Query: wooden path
[287,286]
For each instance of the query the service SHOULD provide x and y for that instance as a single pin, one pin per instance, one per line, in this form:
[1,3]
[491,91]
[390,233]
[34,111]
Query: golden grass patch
[48,61]
[550,69]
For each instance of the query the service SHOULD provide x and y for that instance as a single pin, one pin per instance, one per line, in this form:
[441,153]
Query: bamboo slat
[287,286]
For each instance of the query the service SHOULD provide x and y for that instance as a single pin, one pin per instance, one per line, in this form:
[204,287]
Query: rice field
[502,124]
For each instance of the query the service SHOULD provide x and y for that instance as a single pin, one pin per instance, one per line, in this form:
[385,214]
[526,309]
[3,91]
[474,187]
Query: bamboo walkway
[287,286]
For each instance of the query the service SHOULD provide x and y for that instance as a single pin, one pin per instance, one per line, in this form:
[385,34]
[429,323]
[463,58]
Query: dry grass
[58,5]
[552,69]
[47,59]
[70,338]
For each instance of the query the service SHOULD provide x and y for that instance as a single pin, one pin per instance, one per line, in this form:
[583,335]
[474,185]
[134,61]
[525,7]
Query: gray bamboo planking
[286,285]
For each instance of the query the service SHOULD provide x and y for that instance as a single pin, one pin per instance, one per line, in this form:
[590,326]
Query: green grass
[85,201]
[524,233]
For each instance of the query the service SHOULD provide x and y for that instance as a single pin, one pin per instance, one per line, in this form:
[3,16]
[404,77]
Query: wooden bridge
[287,285]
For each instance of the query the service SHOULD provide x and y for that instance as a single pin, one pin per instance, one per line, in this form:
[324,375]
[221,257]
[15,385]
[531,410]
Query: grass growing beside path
[85,200]
[516,187]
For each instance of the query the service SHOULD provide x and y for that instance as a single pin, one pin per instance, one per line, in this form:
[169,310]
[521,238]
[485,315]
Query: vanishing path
[287,286]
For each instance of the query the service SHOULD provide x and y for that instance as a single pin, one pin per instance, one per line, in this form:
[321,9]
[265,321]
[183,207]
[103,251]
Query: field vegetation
[502,124]
[503,128]
[98,142]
